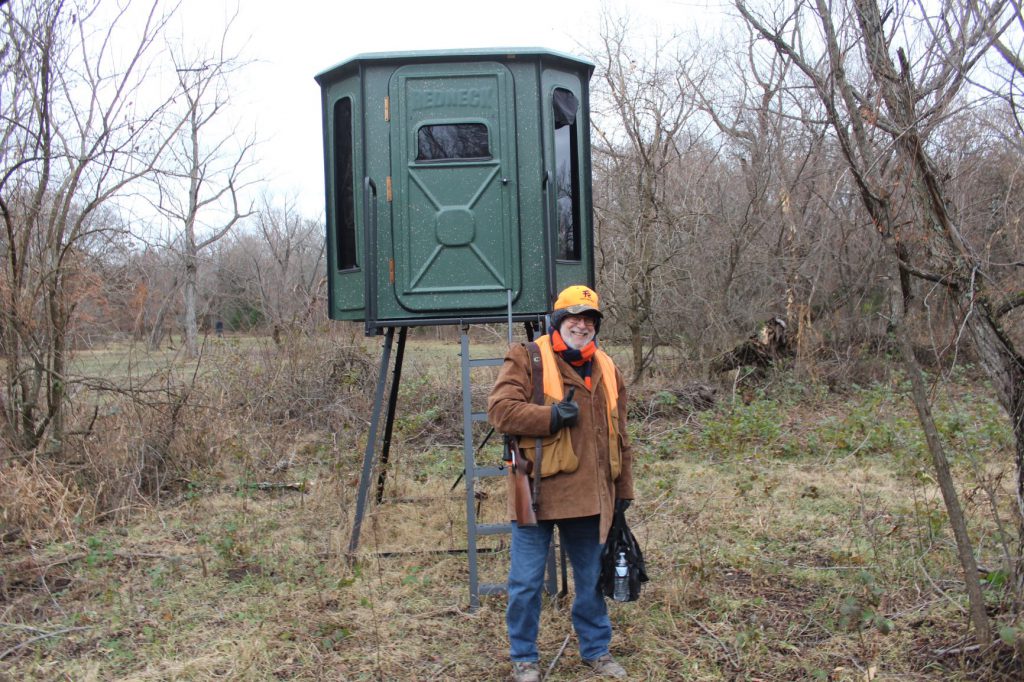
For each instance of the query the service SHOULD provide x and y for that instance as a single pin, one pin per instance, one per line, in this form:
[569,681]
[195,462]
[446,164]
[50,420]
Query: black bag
[621,540]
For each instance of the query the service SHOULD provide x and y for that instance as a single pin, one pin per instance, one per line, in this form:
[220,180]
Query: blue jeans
[580,537]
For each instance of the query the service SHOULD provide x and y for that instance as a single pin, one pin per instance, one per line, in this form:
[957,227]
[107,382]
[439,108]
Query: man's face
[577,330]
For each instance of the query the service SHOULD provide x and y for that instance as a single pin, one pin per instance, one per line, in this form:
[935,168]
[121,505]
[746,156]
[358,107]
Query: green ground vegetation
[791,532]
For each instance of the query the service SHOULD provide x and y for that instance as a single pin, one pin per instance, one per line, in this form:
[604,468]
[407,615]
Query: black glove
[622,505]
[564,413]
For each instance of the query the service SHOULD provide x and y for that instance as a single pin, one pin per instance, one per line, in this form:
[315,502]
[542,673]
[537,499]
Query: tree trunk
[156,334]
[1002,363]
[965,550]
[56,383]
[191,327]
[637,343]
[1005,367]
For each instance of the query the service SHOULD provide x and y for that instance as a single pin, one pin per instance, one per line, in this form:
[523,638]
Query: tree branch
[1009,303]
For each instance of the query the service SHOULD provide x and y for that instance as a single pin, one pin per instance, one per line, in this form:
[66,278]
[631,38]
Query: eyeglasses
[581,319]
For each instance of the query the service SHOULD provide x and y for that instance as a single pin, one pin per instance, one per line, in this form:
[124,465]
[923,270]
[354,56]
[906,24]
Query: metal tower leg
[371,440]
[389,423]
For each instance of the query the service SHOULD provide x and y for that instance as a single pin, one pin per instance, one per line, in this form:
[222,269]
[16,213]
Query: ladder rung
[480,472]
[479,416]
[485,362]
[493,528]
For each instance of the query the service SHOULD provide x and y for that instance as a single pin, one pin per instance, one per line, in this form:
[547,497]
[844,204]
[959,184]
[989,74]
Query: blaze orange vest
[558,453]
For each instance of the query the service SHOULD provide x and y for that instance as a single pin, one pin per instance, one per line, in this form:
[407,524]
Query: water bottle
[621,579]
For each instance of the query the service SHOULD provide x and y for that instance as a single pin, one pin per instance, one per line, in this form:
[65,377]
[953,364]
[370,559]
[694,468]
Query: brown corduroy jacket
[589,490]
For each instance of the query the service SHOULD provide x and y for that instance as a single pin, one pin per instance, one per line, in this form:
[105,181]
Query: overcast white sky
[292,41]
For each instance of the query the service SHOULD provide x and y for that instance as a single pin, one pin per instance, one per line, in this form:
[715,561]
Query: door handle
[370,208]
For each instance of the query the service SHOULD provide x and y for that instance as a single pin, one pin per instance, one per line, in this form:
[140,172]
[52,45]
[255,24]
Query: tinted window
[454,141]
[564,108]
[344,188]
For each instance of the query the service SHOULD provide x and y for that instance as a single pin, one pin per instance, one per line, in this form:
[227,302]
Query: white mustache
[576,339]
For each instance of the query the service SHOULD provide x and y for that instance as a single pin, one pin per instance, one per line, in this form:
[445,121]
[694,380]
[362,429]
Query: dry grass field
[791,533]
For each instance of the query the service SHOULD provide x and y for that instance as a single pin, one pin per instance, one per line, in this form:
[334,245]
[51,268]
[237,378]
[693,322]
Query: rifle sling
[537,377]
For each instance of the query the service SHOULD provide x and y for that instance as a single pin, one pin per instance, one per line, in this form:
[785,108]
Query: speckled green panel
[455,235]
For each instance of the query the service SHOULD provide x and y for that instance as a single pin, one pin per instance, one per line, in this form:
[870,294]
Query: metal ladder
[471,471]
[474,472]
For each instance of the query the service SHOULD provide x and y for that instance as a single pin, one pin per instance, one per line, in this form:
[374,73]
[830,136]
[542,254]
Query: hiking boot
[525,671]
[605,666]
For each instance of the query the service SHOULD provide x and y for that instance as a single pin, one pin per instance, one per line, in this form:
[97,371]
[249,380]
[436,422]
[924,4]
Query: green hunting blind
[458,192]
[458,185]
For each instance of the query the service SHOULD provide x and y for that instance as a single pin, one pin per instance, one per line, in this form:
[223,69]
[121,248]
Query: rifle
[519,482]
[525,501]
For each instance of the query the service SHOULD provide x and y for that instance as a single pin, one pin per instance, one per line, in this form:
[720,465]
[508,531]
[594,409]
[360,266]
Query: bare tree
[74,134]
[1001,31]
[888,82]
[283,263]
[158,296]
[206,171]
[790,243]
[640,123]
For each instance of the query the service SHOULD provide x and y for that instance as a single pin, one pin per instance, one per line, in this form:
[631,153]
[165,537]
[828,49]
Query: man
[587,472]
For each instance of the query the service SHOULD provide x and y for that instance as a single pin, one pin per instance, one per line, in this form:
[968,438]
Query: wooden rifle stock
[519,482]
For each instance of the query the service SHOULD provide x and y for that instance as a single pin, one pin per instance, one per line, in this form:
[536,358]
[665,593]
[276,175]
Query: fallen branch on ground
[554,660]
[45,635]
[266,485]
